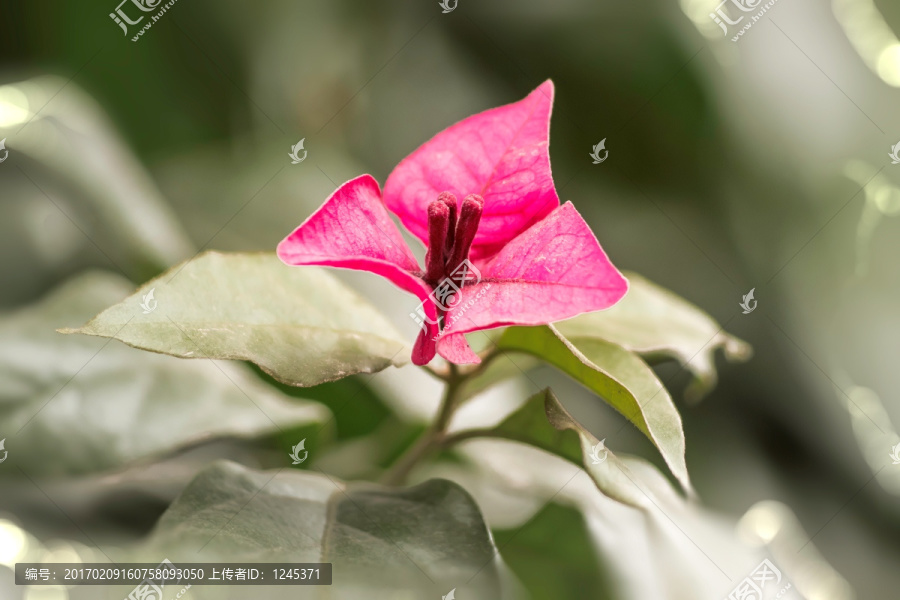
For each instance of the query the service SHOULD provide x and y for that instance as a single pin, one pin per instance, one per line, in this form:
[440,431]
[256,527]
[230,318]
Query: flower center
[450,238]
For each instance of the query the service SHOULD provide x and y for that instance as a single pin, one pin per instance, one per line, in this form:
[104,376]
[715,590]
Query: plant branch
[469,434]
[433,438]
[486,359]
[441,373]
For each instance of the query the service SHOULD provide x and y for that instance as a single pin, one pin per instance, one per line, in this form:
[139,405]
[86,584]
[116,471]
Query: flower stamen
[450,200]
[449,238]
[438,227]
[466,227]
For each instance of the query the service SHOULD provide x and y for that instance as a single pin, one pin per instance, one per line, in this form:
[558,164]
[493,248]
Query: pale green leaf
[544,423]
[75,404]
[669,548]
[657,323]
[382,542]
[299,324]
[618,376]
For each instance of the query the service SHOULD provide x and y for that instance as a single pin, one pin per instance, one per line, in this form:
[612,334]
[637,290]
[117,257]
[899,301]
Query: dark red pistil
[449,238]
[450,200]
[439,224]
[469,217]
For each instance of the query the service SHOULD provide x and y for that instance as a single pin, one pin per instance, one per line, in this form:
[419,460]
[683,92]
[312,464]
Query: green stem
[470,434]
[433,437]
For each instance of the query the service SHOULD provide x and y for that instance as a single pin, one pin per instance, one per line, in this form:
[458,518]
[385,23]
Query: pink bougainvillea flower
[527,260]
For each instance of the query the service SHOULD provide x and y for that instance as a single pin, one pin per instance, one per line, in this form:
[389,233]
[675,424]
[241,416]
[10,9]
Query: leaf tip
[736,349]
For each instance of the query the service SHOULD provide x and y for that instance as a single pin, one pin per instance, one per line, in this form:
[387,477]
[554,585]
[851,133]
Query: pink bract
[502,154]
[539,262]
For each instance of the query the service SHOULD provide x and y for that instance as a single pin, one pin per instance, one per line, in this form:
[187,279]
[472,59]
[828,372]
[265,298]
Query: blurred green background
[759,164]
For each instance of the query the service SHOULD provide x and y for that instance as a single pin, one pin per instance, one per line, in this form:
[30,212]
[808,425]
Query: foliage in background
[708,170]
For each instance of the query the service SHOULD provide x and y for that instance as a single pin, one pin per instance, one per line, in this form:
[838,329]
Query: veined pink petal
[456,349]
[553,271]
[501,154]
[352,224]
[353,230]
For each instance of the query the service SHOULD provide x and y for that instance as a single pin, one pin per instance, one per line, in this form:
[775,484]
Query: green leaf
[671,548]
[618,376]
[544,423]
[659,324]
[75,404]
[300,325]
[382,542]
[553,556]
[369,408]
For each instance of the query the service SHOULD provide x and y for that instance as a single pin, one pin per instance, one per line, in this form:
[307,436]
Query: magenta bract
[479,191]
